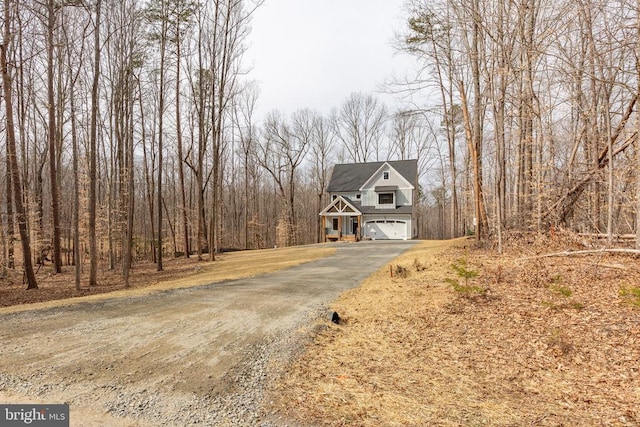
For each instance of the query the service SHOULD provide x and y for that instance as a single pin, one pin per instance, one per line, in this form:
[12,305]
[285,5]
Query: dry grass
[56,290]
[547,342]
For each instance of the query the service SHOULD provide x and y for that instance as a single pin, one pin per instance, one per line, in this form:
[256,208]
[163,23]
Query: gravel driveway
[191,356]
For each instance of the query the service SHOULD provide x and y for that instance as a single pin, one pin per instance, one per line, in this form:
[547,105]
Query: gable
[353,176]
[386,178]
[341,206]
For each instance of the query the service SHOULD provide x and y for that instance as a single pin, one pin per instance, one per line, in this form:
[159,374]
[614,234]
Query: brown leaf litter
[540,342]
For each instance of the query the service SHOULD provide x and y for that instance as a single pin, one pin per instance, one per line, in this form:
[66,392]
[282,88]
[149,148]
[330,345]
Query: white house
[371,201]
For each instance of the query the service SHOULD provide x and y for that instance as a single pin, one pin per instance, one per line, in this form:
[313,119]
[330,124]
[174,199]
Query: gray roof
[352,176]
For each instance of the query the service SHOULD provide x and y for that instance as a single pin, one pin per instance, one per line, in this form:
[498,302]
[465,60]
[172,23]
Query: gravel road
[197,356]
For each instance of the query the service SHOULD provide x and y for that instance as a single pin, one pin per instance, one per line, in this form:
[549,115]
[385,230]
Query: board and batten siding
[394,178]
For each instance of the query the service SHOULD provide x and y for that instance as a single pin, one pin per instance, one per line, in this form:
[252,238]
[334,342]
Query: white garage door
[386,229]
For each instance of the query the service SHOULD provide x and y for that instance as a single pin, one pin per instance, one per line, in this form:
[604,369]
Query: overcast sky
[314,53]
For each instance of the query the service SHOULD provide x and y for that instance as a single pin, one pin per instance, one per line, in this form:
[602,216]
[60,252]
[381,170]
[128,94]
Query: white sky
[314,53]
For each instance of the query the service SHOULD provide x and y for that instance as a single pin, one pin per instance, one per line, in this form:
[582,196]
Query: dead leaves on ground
[551,342]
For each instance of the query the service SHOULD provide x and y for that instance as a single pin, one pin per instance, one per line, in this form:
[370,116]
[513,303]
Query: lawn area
[58,289]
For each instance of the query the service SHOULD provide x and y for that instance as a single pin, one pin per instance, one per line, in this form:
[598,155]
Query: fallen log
[561,209]
[564,205]
[586,252]
[606,236]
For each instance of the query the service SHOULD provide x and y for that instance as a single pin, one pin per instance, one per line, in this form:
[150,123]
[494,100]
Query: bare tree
[229,29]
[281,153]
[244,111]
[359,126]
[125,60]
[52,10]
[474,125]
[497,71]
[93,152]
[181,17]
[158,15]
[322,153]
[431,38]
[7,85]
[73,55]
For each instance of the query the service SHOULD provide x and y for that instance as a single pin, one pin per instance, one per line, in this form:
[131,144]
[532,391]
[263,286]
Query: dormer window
[385,175]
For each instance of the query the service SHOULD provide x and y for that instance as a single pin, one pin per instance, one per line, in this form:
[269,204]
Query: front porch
[341,221]
[343,238]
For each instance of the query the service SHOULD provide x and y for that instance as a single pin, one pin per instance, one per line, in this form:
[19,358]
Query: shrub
[463,271]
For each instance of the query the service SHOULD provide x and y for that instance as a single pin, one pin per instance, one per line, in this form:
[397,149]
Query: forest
[129,132]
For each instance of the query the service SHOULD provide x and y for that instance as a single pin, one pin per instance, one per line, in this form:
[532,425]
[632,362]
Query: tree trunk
[10,218]
[147,176]
[76,186]
[93,153]
[52,134]
[127,255]
[11,153]
[478,205]
[246,199]
[499,93]
[163,41]
[638,126]
[199,170]
[183,196]
[481,214]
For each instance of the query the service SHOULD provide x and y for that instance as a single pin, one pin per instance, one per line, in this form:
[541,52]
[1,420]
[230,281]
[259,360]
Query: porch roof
[341,206]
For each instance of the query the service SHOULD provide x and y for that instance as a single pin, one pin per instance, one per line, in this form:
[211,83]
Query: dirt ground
[530,340]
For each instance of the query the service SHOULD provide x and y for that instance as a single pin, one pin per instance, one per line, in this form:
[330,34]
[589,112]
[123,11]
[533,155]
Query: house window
[358,196]
[385,198]
[385,175]
[334,197]
[335,223]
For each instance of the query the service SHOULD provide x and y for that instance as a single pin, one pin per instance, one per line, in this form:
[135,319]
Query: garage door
[383,229]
